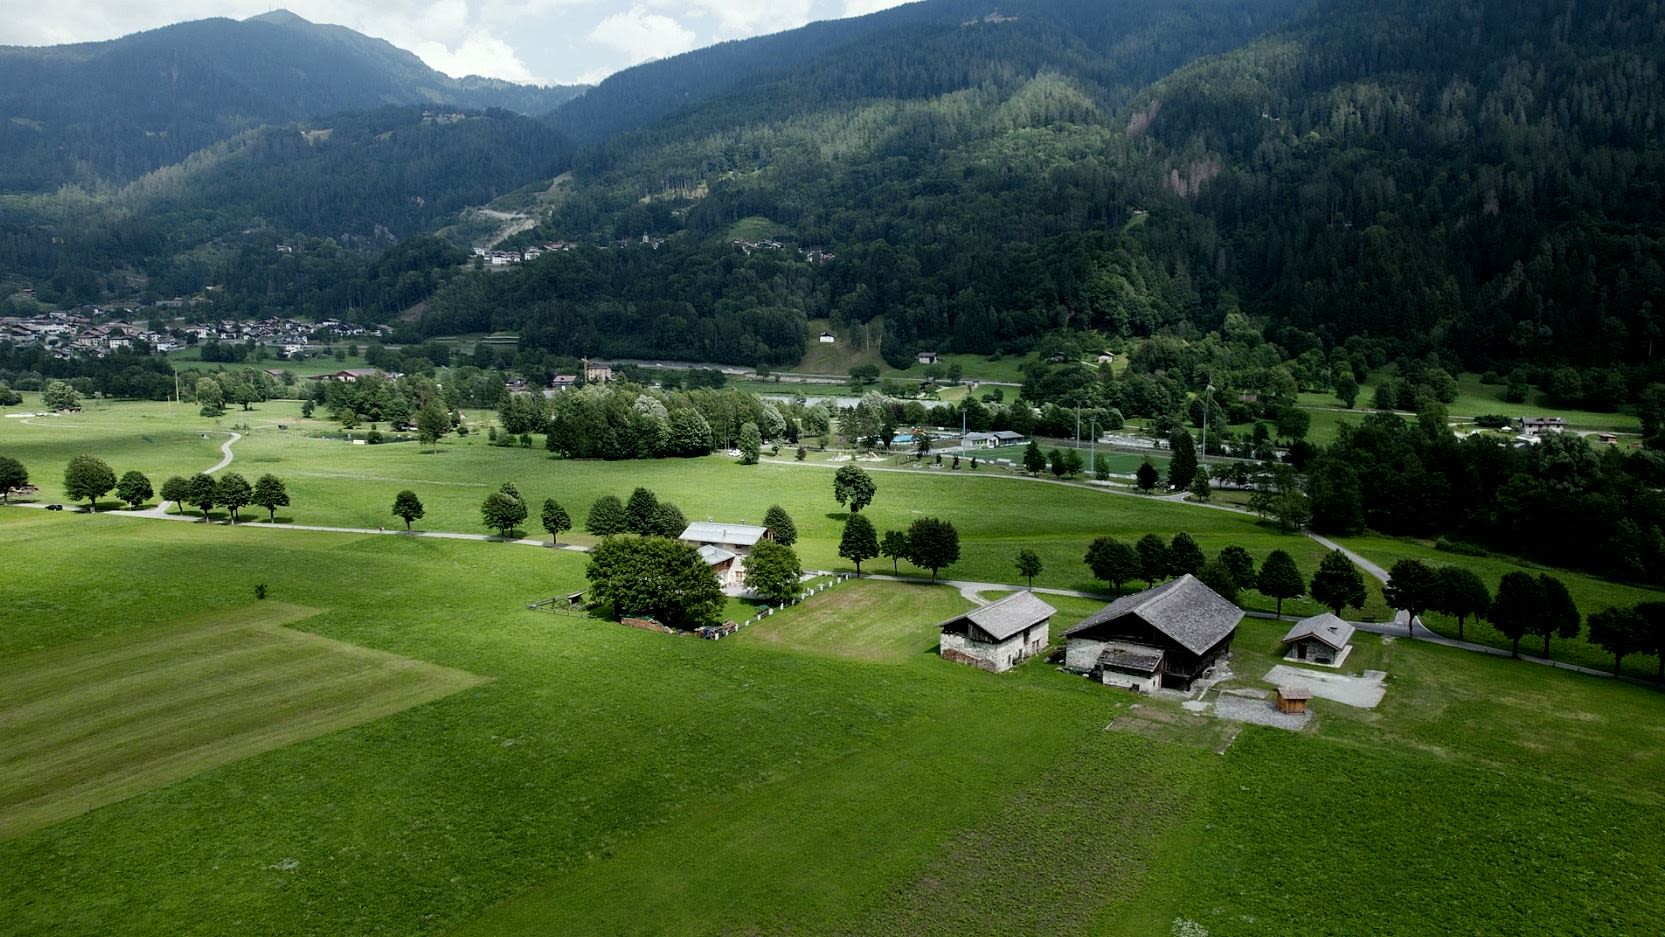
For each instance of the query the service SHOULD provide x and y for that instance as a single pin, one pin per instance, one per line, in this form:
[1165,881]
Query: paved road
[161,508]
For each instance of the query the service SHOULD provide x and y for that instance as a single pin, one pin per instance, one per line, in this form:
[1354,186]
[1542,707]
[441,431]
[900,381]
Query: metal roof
[745,535]
[1325,627]
[715,555]
[1012,615]
[1193,615]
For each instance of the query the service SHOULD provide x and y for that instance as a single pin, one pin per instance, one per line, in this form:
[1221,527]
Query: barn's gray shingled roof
[1126,656]
[1184,609]
[1015,613]
[1326,627]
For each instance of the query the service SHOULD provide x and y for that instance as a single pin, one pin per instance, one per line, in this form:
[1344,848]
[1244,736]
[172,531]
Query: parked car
[54,507]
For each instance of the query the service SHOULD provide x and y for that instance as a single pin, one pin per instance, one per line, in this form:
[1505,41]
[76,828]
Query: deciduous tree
[1153,559]
[1216,576]
[1029,566]
[1280,579]
[933,544]
[12,475]
[203,491]
[1461,594]
[1034,460]
[1112,561]
[1413,587]
[1558,616]
[1147,476]
[751,444]
[1239,563]
[780,525]
[233,492]
[556,521]
[1184,556]
[853,488]
[1515,610]
[638,511]
[177,490]
[271,494]
[1618,631]
[859,541]
[88,477]
[656,577]
[606,517]
[1182,465]
[774,572]
[134,488]
[895,547]
[502,512]
[1338,584]
[433,421]
[407,506]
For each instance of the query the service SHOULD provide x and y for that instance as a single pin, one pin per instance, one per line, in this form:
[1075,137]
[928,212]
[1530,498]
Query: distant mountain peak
[280,17]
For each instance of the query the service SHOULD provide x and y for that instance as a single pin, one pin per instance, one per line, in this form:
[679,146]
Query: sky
[541,41]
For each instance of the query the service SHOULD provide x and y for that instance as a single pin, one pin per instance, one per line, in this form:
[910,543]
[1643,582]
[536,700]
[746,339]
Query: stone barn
[1321,639]
[1188,624]
[998,636]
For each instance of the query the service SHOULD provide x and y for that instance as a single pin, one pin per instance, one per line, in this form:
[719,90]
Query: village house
[563,381]
[724,548]
[1320,639]
[828,338]
[926,357]
[1105,357]
[350,375]
[1165,636]
[1535,425]
[597,374]
[1000,635]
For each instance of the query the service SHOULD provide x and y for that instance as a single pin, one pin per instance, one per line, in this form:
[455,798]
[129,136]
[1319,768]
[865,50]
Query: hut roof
[1140,658]
[708,532]
[1324,627]
[1015,613]
[1294,692]
[1193,615]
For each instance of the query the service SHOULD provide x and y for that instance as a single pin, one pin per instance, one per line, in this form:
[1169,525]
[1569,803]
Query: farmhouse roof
[1139,658]
[715,556]
[745,535]
[1193,615]
[1012,615]
[1325,627]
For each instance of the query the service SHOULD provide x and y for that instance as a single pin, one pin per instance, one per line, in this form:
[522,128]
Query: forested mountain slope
[111,111]
[952,161]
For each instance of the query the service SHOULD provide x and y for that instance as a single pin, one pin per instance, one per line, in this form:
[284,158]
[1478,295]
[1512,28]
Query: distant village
[504,258]
[95,331]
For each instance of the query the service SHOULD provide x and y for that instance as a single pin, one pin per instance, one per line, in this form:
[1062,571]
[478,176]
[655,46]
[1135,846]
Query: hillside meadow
[820,773]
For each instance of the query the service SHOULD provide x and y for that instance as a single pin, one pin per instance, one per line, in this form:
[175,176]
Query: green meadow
[507,771]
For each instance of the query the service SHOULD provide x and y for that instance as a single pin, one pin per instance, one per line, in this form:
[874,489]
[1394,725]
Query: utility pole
[1208,404]
[1092,447]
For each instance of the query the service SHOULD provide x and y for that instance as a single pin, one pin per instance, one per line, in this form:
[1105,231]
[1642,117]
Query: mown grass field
[97,720]
[818,773]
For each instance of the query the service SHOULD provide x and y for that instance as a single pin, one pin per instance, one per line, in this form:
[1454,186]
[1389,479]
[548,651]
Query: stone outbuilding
[1000,635]
[1132,666]
[1189,624]
[1321,639]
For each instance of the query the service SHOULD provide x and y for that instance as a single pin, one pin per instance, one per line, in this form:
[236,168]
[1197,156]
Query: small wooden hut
[1293,699]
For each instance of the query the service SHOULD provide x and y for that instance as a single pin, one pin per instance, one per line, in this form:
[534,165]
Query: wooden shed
[1293,699]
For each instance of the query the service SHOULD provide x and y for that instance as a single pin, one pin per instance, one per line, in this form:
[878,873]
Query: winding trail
[161,508]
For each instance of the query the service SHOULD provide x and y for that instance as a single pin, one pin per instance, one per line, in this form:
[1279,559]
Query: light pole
[1208,404]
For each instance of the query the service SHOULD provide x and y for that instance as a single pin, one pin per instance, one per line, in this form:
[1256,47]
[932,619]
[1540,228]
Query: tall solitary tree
[780,525]
[853,488]
[933,544]
[751,444]
[1112,561]
[859,541]
[1338,583]
[1618,631]
[1182,465]
[177,490]
[1029,566]
[894,546]
[774,572]
[1413,587]
[1280,579]
[1153,559]
[88,477]
[233,492]
[407,506]
[1146,475]
[1034,460]
[555,520]
[12,475]
[134,488]
[271,494]
[1558,616]
[1515,609]
[1461,594]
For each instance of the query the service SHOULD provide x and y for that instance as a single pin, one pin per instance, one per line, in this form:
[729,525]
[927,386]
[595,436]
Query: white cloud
[641,34]
[736,18]
[864,7]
